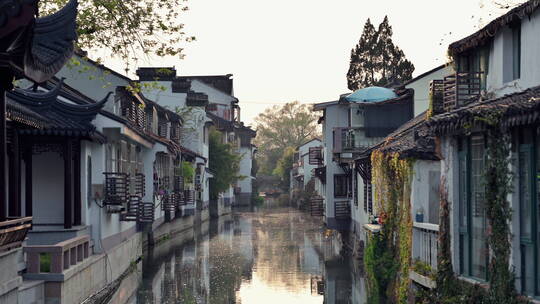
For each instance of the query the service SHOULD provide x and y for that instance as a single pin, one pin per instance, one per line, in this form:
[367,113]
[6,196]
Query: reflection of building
[337,283]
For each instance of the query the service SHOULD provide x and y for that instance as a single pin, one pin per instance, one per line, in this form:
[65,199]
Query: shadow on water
[264,254]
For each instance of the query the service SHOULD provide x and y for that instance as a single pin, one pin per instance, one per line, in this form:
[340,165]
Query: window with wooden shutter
[355,190]
[109,158]
[148,120]
[526,216]
[365,197]
[341,183]
[473,249]
[132,159]
[478,232]
[369,195]
[124,157]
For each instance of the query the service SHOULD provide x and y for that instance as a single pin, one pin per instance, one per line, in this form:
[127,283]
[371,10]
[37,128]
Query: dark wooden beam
[3,151]
[77,184]
[68,185]
[14,177]
[28,180]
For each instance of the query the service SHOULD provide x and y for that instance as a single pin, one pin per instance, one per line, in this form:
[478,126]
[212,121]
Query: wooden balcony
[138,211]
[342,210]
[316,157]
[168,203]
[436,89]
[189,196]
[116,191]
[460,89]
[13,232]
[345,141]
[317,206]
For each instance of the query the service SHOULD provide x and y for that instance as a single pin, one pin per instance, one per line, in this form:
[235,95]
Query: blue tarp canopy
[371,94]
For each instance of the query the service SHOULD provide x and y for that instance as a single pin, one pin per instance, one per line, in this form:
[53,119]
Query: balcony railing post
[33,262]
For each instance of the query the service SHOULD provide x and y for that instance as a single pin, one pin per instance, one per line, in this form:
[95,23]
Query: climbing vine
[498,186]
[498,182]
[392,189]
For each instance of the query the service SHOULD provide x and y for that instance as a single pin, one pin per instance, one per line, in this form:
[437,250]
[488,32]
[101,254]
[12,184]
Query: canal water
[269,254]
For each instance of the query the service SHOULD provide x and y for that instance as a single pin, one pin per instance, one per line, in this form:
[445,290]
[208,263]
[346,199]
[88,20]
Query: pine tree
[361,70]
[376,61]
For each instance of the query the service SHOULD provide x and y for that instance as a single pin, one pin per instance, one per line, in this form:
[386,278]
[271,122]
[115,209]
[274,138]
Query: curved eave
[59,19]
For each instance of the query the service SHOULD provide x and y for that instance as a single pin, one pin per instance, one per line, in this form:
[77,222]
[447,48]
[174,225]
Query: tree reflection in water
[268,255]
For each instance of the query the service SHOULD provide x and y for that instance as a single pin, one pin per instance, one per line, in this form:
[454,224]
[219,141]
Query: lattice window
[124,157]
[140,117]
[116,188]
[162,127]
[149,120]
[341,183]
[315,156]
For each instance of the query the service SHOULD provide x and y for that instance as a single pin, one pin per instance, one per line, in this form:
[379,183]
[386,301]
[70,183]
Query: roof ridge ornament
[52,43]
[40,97]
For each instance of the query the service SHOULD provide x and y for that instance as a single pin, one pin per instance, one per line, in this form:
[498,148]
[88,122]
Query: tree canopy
[284,166]
[224,162]
[281,127]
[376,60]
[128,28]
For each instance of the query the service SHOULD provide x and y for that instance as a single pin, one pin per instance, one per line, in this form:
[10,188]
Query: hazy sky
[285,50]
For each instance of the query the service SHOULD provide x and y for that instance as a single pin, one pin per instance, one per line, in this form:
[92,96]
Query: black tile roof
[45,114]
[411,140]
[488,32]
[515,109]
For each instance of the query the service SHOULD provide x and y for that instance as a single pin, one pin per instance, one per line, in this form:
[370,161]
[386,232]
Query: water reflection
[268,255]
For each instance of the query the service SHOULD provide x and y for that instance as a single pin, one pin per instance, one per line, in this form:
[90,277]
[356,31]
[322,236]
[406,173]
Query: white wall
[245,169]
[92,81]
[425,190]
[214,95]
[48,189]
[303,151]
[336,116]
[449,178]
[530,61]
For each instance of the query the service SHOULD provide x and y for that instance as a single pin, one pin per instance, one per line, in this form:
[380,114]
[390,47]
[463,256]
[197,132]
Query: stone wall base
[87,278]
[167,229]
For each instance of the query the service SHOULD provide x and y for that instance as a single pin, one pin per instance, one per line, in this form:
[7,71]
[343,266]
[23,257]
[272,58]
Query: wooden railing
[13,232]
[116,189]
[425,242]
[342,210]
[59,257]
[436,90]
[316,157]
[146,212]
[317,206]
[168,203]
[189,196]
[460,89]
[345,140]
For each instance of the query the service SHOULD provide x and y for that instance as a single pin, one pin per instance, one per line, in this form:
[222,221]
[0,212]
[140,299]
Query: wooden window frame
[465,235]
[516,51]
[337,178]
[530,150]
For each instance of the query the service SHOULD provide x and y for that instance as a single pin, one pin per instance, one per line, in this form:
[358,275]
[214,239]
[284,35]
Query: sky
[286,50]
